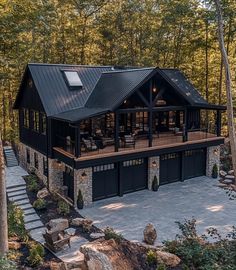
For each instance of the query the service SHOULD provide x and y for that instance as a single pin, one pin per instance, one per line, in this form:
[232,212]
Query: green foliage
[63,208]
[80,200]
[16,225]
[111,234]
[32,183]
[36,255]
[214,173]
[40,204]
[155,184]
[197,253]
[6,264]
[161,267]
[151,258]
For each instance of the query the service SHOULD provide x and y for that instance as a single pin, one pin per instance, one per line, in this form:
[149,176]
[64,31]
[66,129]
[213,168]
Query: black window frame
[43,123]
[26,117]
[35,120]
[45,166]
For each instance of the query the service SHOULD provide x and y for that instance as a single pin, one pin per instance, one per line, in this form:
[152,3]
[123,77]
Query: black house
[109,130]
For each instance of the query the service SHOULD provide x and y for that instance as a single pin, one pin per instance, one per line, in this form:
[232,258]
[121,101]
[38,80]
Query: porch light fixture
[125,101]
[154,164]
[83,175]
[216,151]
[154,89]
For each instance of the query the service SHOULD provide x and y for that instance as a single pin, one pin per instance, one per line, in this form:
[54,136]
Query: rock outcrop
[85,223]
[167,258]
[59,224]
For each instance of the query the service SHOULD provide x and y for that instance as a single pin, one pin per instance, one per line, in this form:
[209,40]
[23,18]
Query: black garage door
[194,163]
[170,168]
[133,175]
[105,181]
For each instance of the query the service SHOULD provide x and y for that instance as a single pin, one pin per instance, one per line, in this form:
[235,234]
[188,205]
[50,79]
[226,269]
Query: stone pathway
[198,197]
[16,192]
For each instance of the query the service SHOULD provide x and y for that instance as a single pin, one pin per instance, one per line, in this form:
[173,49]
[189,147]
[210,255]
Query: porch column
[185,127]
[150,114]
[77,141]
[218,123]
[116,133]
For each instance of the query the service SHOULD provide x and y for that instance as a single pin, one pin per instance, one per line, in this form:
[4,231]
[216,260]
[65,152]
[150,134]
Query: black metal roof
[104,88]
[177,79]
[114,87]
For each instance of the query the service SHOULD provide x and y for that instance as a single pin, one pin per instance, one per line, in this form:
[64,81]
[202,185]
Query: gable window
[36,161]
[45,167]
[73,79]
[25,115]
[36,121]
[43,123]
[28,155]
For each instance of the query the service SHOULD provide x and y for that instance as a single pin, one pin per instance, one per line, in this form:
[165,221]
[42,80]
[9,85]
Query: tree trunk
[230,113]
[3,206]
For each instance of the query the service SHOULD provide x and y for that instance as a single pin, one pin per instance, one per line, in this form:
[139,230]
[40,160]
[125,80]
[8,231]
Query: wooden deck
[161,141]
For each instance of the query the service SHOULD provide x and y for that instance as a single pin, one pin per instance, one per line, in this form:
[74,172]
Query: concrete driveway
[198,197]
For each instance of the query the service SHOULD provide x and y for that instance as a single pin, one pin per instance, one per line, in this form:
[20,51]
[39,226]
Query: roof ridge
[128,70]
[68,65]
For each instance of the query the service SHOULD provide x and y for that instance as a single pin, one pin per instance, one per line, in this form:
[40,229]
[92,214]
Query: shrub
[155,184]
[111,234]
[32,183]
[40,204]
[16,225]
[151,258]
[36,255]
[214,173]
[80,200]
[6,264]
[63,208]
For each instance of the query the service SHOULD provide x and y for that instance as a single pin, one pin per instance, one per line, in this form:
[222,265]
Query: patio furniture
[89,145]
[129,140]
[56,241]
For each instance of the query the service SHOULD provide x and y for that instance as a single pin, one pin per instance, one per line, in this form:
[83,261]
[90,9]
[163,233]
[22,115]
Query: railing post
[218,123]
[185,126]
[150,111]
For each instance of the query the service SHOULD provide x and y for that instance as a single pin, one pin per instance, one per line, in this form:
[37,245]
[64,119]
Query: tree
[3,206]
[230,113]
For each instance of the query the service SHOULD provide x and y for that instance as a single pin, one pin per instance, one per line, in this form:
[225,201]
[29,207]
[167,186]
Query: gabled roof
[114,87]
[104,88]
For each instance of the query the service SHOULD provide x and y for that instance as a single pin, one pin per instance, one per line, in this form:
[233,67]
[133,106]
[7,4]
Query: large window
[36,121]
[43,123]
[25,115]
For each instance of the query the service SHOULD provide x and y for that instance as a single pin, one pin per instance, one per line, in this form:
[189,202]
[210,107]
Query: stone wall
[30,166]
[153,169]
[84,183]
[212,157]
[55,174]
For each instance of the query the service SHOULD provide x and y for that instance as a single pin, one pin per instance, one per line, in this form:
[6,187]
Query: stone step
[34,225]
[31,218]
[29,211]
[23,202]
[37,234]
[26,206]
[16,187]
[16,193]
[19,198]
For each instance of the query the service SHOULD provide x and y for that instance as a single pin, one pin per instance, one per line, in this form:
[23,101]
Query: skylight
[73,79]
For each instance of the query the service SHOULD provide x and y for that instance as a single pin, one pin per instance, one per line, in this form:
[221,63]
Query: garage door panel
[170,166]
[105,181]
[194,163]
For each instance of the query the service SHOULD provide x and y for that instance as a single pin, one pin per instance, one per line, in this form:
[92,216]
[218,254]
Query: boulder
[222,173]
[228,176]
[57,265]
[228,181]
[97,235]
[231,172]
[42,193]
[167,258]
[149,234]
[58,224]
[84,222]
[70,231]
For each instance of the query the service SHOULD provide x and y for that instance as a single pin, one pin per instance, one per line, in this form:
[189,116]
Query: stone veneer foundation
[153,169]
[212,157]
[83,181]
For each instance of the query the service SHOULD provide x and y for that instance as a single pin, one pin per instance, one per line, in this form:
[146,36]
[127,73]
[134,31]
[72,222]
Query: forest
[164,33]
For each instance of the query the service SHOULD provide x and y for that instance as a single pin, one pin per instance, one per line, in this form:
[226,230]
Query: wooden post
[116,132]
[150,115]
[218,123]
[77,140]
[185,127]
